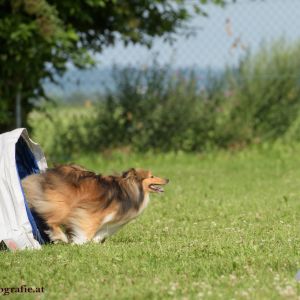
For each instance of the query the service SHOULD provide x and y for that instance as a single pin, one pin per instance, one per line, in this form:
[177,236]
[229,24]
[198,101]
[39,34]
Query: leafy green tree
[38,38]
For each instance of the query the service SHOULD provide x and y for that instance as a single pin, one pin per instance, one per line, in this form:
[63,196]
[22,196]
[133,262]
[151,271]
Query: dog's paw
[57,238]
[59,242]
[99,240]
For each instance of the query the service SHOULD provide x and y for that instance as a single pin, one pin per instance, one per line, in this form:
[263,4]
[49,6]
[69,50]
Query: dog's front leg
[106,231]
[100,236]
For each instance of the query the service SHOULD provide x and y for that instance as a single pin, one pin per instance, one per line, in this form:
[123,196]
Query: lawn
[227,227]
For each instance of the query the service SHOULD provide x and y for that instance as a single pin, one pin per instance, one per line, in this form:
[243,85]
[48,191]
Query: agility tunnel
[20,227]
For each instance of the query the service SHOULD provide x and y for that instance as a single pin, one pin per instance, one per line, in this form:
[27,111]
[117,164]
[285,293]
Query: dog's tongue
[157,188]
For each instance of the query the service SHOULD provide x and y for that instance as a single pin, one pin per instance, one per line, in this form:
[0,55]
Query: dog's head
[149,182]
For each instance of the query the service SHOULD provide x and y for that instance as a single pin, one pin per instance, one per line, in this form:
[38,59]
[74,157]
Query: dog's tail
[34,194]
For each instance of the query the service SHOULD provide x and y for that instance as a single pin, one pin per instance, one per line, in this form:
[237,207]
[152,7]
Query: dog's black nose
[167,180]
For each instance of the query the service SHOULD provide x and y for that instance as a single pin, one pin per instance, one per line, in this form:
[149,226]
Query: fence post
[18,107]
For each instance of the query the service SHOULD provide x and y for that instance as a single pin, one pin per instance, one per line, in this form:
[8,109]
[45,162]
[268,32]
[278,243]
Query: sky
[245,24]
[221,40]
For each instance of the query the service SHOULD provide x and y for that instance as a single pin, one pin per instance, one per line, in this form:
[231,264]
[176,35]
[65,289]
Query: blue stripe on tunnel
[26,165]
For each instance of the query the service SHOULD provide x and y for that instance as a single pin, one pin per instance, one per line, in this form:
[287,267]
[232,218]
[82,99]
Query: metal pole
[18,108]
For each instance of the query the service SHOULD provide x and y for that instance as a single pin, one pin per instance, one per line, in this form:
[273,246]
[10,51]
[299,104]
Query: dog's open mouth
[156,188]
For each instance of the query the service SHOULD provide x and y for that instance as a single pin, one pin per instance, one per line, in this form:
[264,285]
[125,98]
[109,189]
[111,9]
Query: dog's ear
[129,173]
[142,174]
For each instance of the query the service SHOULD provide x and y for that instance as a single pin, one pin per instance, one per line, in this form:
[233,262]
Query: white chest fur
[108,228]
[144,204]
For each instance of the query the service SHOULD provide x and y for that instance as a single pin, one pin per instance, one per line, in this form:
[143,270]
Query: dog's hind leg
[79,235]
[81,227]
[56,234]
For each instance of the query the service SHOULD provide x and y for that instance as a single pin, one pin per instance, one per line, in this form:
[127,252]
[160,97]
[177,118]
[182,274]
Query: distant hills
[98,80]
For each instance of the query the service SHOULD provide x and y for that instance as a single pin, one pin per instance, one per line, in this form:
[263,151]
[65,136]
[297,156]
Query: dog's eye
[152,176]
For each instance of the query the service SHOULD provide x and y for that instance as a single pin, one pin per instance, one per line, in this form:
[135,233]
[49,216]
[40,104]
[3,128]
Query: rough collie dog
[79,206]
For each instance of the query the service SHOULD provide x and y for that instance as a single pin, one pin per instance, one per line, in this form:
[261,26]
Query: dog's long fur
[79,205]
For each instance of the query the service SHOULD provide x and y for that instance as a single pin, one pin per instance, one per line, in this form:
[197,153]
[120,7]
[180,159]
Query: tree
[39,37]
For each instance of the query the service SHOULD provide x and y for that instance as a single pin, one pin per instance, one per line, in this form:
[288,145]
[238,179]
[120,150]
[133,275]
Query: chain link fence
[219,40]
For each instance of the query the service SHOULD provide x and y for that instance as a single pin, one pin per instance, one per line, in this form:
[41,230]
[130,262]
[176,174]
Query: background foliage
[157,109]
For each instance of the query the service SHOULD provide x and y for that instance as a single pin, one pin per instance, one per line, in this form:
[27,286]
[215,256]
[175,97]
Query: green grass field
[227,227]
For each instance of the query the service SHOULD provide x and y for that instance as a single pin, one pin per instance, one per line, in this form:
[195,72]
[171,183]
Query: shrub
[159,109]
[154,109]
[63,130]
[268,91]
